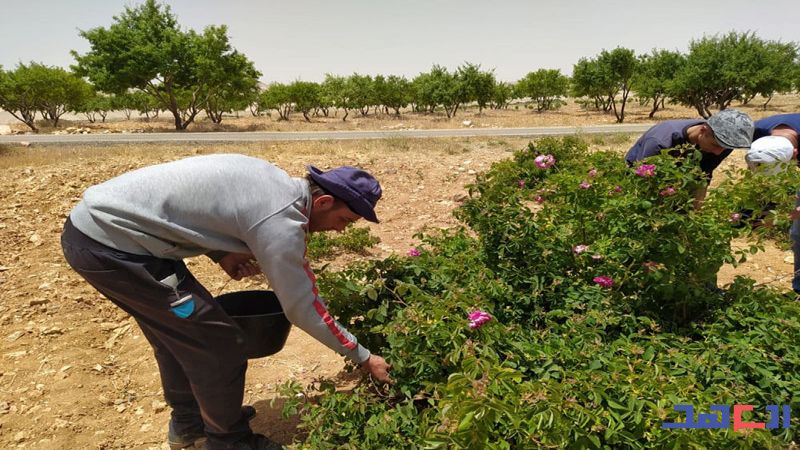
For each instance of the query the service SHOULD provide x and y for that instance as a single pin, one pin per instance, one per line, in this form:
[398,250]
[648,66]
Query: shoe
[254,442]
[189,439]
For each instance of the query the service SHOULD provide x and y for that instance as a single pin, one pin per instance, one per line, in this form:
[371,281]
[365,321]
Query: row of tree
[145,62]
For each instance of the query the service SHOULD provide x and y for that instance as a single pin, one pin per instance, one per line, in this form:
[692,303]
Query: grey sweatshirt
[228,203]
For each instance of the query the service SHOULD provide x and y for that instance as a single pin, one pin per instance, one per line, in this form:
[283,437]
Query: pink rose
[604,281]
[478,318]
[585,185]
[646,170]
[413,251]
[580,248]
[544,161]
[667,191]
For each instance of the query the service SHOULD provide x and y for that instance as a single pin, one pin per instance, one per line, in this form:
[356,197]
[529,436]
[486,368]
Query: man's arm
[279,246]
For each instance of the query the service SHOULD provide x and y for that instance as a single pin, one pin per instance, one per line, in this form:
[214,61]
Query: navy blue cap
[357,188]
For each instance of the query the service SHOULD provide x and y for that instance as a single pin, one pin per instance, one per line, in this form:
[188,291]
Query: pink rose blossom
[597,258]
[646,170]
[539,199]
[667,191]
[585,185]
[580,248]
[604,281]
[478,318]
[593,172]
[521,184]
[735,217]
[544,161]
[413,251]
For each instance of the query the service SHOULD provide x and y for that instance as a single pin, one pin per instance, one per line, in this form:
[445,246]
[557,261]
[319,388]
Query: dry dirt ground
[76,373]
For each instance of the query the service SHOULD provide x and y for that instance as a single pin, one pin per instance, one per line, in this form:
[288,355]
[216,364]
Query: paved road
[262,136]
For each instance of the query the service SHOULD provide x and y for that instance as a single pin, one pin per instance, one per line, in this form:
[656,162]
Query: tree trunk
[764,106]
[346,112]
[305,116]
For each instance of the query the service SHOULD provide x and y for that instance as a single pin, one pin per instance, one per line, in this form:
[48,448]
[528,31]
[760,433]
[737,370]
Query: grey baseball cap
[732,128]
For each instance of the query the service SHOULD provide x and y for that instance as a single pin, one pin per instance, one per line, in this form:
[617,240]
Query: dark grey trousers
[199,349]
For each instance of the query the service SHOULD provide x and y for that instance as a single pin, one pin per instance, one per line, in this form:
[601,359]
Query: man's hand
[239,265]
[378,368]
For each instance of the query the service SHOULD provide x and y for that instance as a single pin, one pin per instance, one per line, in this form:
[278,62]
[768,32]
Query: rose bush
[565,317]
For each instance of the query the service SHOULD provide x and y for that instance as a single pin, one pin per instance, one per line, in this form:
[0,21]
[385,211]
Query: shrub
[597,286]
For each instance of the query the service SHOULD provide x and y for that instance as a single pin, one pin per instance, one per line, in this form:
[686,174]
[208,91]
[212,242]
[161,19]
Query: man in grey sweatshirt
[128,236]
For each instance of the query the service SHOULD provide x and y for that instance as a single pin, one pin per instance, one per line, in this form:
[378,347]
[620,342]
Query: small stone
[121,408]
[4,408]
[38,301]
[60,423]
[98,367]
[20,436]
[14,336]
[789,259]
[146,427]
[158,406]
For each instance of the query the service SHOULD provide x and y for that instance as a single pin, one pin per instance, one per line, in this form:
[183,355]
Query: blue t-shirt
[669,134]
[765,126]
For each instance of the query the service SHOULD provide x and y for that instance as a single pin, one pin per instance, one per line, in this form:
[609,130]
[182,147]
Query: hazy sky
[302,39]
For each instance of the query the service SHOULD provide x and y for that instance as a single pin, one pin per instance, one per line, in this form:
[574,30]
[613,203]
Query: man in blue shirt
[777,137]
[715,138]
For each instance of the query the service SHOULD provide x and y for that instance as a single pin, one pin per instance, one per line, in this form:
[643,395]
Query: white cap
[768,154]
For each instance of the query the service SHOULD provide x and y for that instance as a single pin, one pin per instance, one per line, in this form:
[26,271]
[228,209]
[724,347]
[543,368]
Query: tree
[305,97]
[32,88]
[278,97]
[502,95]
[361,92]
[391,92]
[772,65]
[96,104]
[546,87]
[476,85]
[719,70]
[656,71]
[422,93]
[619,65]
[145,49]
[231,79]
[590,80]
[338,91]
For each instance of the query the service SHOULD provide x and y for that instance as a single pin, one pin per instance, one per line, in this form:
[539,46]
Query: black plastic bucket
[260,316]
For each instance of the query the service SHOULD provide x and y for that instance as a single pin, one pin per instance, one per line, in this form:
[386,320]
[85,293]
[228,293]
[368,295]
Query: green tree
[772,66]
[589,79]
[146,49]
[476,85]
[721,69]
[447,90]
[502,95]
[305,96]
[546,87]
[96,104]
[656,71]
[278,97]
[361,92]
[36,88]
[338,91]
[394,93]
[422,95]
[619,66]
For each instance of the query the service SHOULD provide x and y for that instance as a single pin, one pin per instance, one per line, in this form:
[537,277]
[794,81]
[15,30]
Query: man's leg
[185,320]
